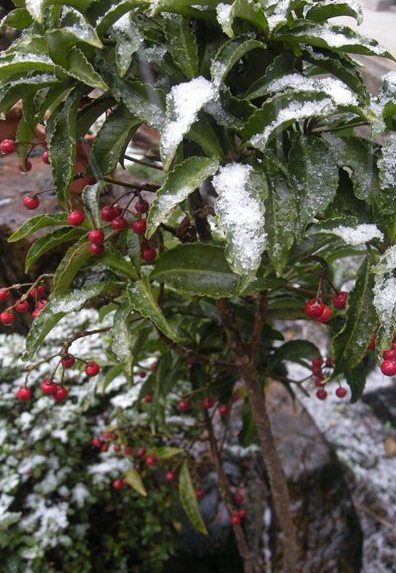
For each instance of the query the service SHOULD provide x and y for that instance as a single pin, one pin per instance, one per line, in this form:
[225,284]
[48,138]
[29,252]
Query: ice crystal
[358,235]
[240,216]
[224,17]
[280,13]
[387,163]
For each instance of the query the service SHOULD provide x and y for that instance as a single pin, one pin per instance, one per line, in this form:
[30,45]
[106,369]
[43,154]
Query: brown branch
[145,163]
[259,322]
[243,547]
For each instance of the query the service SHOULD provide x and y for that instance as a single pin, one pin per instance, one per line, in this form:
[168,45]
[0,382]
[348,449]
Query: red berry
[142,374]
[239,498]
[37,292]
[317,362]
[96,236]
[31,202]
[108,213]
[139,226]
[148,398]
[142,206]
[96,250]
[117,448]
[21,306]
[96,442]
[7,146]
[183,405]
[313,308]
[321,394]
[60,394]
[4,294]
[92,369]
[224,409]
[170,476]
[235,519]
[326,315]
[24,394]
[235,397]
[141,452]
[104,448]
[127,451]
[107,435]
[319,381]
[341,392]
[48,388]
[76,218]
[340,300]
[7,318]
[389,355]
[199,493]
[119,223]
[68,361]
[241,513]
[118,484]
[25,167]
[148,254]
[114,436]
[150,460]
[207,403]
[388,367]
[45,158]
[153,366]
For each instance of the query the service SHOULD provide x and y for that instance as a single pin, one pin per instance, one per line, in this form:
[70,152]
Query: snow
[240,216]
[387,163]
[354,4]
[387,262]
[385,298]
[224,17]
[331,86]
[335,37]
[294,111]
[357,235]
[184,102]
[280,13]
[35,8]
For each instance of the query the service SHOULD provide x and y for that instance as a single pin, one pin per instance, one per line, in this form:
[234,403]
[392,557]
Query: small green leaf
[83,70]
[181,44]
[122,341]
[118,264]
[197,269]
[167,452]
[74,259]
[298,351]
[313,170]
[179,183]
[10,67]
[128,40]
[244,10]
[323,10]
[49,241]
[91,200]
[18,19]
[189,499]
[36,223]
[56,309]
[142,300]
[135,481]
[229,54]
[350,345]
[112,139]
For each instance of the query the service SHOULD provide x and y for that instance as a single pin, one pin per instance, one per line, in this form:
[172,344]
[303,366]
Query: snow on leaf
[280,13]
[358,235]
[387,262]
[385,306]
[224,18]
[241,215]
[35,8]
[387,163]
[184,102]
[128,41]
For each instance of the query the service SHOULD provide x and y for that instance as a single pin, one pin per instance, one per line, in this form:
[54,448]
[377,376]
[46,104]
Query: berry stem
[145,163]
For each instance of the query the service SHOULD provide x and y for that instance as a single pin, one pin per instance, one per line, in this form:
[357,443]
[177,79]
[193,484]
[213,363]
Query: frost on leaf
[385,306]
[280,13]
[128,41]
[224,18]
[35,8]
[184,102]
[358,235]
[387,163]
[241,216]
[387,262]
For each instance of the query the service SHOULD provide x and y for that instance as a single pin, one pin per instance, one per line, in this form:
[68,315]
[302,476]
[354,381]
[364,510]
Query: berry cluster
[388,364]
[318,368]
[31,301]
[318,310]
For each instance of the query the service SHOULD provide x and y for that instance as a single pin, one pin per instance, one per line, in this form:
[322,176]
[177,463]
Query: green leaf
[75,24]
[56,309]
[167,452]
[118,264]
[240,212]
[80,68]
[313,170]
[49,241]
[110,375]
[128,40]
[74,259]
[299,351]
[61,138]
[325,9]
[122,340]
[181,44]
[229,54]
[350,345]
[283,110]
[91,201]
[282,65]
[356,379]
[142,300]
[10,66]
[339,38]
[244,10]
[385,299]
[189,499]
[36,223]
[18,19]
[179,183]
[280,222]
[135,481]
[113,137]
[203,134]
[197,269]
[10,92]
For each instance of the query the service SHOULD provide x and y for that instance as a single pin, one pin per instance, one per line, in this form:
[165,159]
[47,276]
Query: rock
[383,404]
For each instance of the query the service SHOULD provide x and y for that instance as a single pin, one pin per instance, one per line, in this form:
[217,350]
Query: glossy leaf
[36,223]
[181,44]
[82,69]
[189,499]
[179,184]
[74,259]
[229,54]
[48,242]
[91,201]
[323,10]
[121,334]
[128,39]
[133,478]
